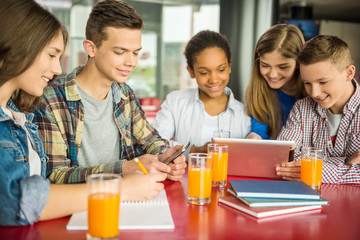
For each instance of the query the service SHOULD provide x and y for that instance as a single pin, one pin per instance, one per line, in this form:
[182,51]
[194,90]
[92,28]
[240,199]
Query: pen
[141,166]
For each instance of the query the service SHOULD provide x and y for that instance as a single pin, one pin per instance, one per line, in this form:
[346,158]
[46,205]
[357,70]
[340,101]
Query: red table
[339,220]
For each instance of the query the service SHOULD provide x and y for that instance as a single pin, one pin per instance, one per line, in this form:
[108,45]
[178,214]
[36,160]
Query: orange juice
[220,166]
[103,215]
[199,182]
[311,172]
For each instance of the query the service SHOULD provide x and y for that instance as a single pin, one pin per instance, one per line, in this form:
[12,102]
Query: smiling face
[211,70]
[330,87]
[44,68]
[118,54]
[278,71]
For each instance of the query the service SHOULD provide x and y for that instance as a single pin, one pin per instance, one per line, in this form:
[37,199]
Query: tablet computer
[256,158]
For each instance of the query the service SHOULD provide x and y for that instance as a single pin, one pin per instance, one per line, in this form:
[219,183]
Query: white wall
[347,31]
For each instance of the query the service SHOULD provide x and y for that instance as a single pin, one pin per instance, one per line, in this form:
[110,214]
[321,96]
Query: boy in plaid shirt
[90,121]
[329,118]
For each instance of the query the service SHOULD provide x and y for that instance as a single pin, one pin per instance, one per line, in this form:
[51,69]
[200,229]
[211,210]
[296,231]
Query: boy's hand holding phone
[171,162]
[169,156]
[174,158]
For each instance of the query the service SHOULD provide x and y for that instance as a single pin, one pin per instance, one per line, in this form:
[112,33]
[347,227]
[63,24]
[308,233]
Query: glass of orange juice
[311,166]
[103,206]
[220,155]
[199,178]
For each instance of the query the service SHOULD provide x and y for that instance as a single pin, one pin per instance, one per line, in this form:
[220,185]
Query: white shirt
[181,118]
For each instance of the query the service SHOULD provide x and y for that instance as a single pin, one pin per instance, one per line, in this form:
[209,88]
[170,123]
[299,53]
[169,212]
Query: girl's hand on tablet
[253,135]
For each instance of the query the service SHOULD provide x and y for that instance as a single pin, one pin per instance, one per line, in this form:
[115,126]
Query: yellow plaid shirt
[60,118]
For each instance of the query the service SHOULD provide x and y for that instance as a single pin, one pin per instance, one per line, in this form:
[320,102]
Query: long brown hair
[261,100]
[26,28]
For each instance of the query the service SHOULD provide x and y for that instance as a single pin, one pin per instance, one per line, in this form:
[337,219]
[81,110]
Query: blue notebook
[278,202]
[273,189]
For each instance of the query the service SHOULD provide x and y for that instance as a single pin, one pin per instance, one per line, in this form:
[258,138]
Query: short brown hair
[111,13]
[324,47]
[26,28]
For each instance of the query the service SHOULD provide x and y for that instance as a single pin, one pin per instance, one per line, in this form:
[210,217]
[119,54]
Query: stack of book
[271,198]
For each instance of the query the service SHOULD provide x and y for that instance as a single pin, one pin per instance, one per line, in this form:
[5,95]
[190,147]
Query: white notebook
[152,214]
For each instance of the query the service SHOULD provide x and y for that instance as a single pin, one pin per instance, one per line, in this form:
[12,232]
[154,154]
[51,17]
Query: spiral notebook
[152,214]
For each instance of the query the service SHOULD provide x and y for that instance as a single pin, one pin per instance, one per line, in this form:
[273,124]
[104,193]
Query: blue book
[278,202]
[273,189]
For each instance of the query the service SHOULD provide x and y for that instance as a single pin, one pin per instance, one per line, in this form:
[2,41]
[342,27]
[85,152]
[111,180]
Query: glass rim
[103,176]
[219,145]
[312,149]
[200,155]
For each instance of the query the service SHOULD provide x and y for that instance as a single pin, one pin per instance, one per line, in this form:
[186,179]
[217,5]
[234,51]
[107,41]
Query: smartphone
[177,154]
[291,153]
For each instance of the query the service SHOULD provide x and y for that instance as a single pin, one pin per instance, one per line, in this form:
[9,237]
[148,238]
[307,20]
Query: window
[168,26]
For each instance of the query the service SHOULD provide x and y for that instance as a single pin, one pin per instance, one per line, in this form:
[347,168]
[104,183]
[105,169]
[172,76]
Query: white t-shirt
[334,123]
[211,124]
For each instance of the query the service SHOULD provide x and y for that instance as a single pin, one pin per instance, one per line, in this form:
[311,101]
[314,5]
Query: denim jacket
[22,197]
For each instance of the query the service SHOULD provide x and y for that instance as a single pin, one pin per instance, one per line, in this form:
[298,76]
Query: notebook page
[160,199]
[152,214]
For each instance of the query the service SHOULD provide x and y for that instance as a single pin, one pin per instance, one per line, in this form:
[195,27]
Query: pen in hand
[141,166]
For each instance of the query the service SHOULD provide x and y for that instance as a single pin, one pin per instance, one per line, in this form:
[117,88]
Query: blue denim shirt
[22,197]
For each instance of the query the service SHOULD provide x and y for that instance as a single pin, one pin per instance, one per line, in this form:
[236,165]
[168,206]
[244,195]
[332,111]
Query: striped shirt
[308,126]
[61,119]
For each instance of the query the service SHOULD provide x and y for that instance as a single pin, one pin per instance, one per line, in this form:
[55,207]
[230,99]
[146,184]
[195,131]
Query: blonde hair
[261,100]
